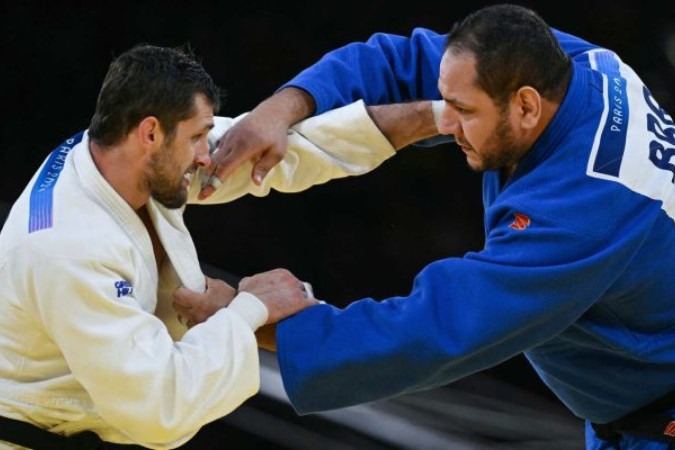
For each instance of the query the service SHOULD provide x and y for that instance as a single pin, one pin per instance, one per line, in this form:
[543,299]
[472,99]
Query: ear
[149,132]
[528,105]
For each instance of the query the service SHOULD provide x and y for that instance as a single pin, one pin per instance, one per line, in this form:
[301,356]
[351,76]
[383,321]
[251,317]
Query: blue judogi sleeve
[385,69]
[577,267]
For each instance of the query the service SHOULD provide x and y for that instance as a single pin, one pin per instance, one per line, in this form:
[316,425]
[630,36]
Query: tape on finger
[309,292]
[215,182]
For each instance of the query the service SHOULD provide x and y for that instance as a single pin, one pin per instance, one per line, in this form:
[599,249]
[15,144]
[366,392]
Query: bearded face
[485,130]
[500,150]
[166,180]
[181,153]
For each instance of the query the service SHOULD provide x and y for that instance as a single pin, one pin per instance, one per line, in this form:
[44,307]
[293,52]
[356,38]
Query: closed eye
[458,108]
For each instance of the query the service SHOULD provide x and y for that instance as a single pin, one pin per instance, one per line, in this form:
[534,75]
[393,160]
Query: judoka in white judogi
[88,338]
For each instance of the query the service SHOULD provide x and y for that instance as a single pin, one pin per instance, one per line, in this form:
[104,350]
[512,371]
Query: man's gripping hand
[195,307]
[280,291]
[261,136]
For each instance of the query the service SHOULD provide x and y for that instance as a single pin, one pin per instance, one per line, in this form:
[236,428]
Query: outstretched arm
[277,291]
[262,136]
[385,69]
[405,123]
[348,141]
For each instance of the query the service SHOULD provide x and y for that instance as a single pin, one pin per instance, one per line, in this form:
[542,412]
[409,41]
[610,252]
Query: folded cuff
[250,308]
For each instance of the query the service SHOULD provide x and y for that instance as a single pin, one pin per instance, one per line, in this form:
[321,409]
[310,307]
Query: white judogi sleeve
[81,345]
[339,143]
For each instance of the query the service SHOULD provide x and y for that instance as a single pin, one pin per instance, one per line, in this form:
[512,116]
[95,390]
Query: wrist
[292,104]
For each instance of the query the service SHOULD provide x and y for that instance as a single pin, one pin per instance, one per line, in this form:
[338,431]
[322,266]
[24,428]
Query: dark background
[352,238]
[365,236]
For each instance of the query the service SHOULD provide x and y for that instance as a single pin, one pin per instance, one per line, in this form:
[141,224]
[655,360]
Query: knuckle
[278,271]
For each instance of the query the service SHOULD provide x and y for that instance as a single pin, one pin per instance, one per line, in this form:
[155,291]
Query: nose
[202,155]
[449,123]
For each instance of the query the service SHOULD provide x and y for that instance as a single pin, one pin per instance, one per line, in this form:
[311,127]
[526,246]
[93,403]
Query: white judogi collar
[169,223]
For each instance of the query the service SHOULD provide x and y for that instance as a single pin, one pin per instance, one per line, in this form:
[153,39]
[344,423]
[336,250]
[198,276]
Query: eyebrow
[456,103]
[208,127]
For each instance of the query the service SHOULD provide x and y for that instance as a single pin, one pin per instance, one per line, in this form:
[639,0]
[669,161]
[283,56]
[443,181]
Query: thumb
[259,173]
[183,295]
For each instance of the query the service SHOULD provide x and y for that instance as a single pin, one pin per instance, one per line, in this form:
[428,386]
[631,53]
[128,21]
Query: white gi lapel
[121,212]
[178,245]
[181,268]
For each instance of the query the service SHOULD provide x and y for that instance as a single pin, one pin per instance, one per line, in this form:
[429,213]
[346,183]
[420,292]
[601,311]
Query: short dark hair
[513,47]
[149,81]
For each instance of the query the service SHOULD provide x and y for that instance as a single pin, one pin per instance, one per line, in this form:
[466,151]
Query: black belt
[33,437]
[650,421]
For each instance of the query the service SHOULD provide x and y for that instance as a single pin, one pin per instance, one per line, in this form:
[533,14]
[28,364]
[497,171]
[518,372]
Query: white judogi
[81,343]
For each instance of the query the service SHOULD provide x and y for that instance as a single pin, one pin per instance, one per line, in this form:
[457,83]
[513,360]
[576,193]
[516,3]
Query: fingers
[196,307]
[185,297]
[269,159]
[206,192]
[209,187]
[281,293]
[269,281]
[260,137]
[233,156]
[307,288]
[185,315]
[223,163]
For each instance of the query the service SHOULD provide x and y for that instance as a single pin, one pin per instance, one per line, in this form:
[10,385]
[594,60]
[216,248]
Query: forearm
[289,105]
[404,123]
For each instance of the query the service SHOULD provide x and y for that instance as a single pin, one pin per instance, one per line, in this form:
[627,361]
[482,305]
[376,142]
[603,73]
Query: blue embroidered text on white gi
[124,288]
[41,196]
